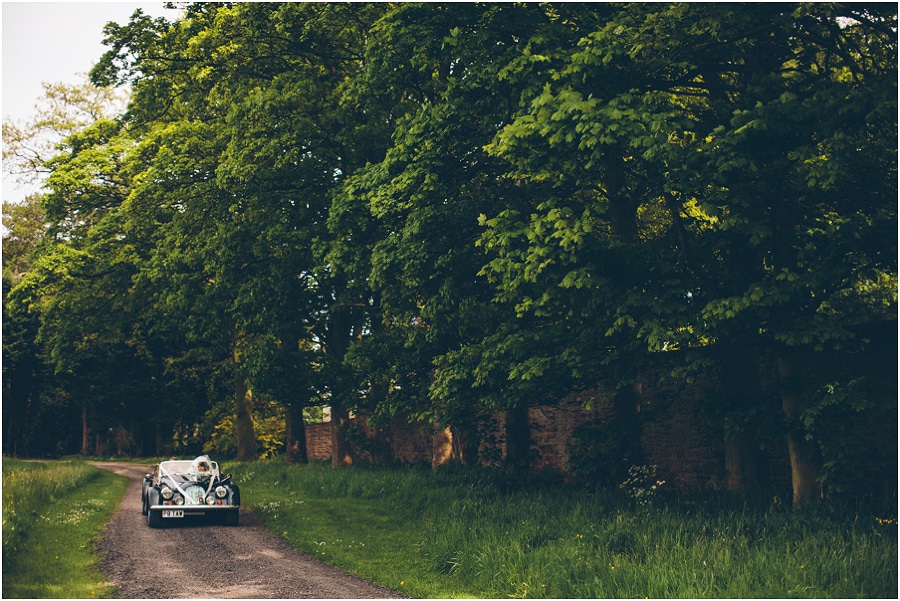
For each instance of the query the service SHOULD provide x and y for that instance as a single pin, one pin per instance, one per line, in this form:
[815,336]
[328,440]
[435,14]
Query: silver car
[180,489]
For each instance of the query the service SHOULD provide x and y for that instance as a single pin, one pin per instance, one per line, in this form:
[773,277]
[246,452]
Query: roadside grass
[485,534]
[52,513]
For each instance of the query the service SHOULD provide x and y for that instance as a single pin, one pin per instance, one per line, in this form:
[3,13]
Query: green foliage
[489,534]
[441,210]
[829,421]
[23,365]
[600,451]
[217,431]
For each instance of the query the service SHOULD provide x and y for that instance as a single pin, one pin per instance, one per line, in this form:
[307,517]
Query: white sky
[54,42]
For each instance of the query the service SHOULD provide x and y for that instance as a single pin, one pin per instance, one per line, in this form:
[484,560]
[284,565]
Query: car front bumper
[198,510]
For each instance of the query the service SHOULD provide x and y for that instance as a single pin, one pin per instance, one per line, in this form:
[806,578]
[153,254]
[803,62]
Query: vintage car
[179,489]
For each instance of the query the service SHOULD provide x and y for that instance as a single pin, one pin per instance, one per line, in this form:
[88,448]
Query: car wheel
[154,518]
[145,486]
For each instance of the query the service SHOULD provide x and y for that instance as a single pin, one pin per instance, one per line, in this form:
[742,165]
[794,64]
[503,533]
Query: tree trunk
[246,436]
[626,406]
[337,342]
[746,466]
[381,436]
[341,452]
[16,416]
[518,439]
[295,436]
[84,429]
[382,452]
[622,209]
[465,442]
[804,454]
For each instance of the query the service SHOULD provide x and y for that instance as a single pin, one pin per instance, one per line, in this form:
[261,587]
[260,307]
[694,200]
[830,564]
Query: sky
[53,42]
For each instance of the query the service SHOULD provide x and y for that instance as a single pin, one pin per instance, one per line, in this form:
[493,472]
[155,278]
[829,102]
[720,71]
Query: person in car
[200,466]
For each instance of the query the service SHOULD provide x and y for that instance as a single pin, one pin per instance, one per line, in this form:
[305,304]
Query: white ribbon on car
[202,501]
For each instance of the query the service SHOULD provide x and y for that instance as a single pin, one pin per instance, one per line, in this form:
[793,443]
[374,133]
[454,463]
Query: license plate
[173,513]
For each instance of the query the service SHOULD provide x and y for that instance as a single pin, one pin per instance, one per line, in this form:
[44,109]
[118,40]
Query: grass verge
[52,512]
[491,535]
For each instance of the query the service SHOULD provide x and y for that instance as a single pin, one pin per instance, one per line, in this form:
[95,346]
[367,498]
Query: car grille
[194,494]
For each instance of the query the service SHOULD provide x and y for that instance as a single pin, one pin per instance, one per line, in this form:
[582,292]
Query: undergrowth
[489,534]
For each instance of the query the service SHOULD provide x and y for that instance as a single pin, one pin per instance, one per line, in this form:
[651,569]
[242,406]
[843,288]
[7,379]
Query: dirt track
[191,560]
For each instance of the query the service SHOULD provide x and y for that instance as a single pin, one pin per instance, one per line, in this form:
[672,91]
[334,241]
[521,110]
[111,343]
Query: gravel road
[210,561]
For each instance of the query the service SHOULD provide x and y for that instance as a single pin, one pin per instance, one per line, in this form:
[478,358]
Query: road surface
[196,560]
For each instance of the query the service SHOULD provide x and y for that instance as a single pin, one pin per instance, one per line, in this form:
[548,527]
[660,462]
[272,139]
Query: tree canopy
[433,211]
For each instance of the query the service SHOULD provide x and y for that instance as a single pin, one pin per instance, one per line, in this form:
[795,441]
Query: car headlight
[210,500]
[221,491]
[166,492]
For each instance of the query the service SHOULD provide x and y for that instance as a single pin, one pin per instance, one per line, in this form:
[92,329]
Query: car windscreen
[171,468]
[185,468]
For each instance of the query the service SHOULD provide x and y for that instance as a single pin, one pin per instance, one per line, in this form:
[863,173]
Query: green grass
[52,512]
[491,535]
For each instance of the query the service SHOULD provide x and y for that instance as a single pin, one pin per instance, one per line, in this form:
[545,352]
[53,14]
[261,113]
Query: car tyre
[145,486]
[154,518]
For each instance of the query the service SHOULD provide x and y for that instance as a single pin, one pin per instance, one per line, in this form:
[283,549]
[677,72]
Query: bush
[601,451]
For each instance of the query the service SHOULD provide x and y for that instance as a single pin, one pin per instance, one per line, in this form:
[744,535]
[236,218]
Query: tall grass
[51,512]
[490,534]
[29,485]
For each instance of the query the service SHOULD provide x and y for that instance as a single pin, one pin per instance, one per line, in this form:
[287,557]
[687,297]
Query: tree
[441,211]
[441,69]
[701,157]
[62,111]
[93,326]
[252,219]
[23,367]
[24,226]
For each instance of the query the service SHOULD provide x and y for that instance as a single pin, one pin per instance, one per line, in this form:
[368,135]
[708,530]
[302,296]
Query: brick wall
[677,437]
[318,441]
[680,435]
[409,443]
